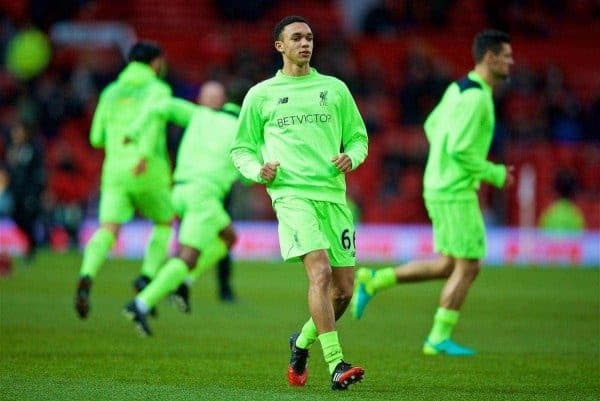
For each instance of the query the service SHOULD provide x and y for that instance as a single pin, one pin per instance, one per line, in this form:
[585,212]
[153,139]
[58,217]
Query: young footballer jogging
[136,174]
[459,131]
[300,132]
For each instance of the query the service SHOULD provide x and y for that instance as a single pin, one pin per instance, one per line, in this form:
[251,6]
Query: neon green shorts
[306,225]
[458,228]
[202,215]
[119,203]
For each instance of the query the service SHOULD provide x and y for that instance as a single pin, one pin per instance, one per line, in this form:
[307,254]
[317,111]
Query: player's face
[500,63]
[296,43]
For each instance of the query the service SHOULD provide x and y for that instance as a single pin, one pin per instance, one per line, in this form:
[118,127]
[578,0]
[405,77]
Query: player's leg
[155,205]
[302,233]
[169,277]
[318,271]
[94,255]
[176,269]
[214,251]
[156,251]
[343,279]
[115,209]
[338,227]
[97,249]
[299,235]
[167,280]
[224,267]
[341,289]
[453,295]
[464,239]
[370,282]
[211,230]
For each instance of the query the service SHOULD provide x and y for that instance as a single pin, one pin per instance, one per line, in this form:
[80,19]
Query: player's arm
[98,132]
[172,109]
[150,128]
[464,133]
[354,133]
[175,110]
[245,149]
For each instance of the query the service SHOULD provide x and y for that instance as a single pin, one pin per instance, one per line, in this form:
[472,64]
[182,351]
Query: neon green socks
[96,251]
[209,256]
[383,278]
[308,335]
[443,323]
[166,281]
[332,350]
[157,249]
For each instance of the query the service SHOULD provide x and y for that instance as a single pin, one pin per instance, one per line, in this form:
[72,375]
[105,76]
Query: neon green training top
[302,123]
[136,89]
[202,157]
[460,131]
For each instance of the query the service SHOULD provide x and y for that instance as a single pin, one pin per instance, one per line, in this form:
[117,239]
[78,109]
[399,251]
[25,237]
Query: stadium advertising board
[375,243]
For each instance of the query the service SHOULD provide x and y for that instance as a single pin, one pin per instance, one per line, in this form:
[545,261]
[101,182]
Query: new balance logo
[282,100]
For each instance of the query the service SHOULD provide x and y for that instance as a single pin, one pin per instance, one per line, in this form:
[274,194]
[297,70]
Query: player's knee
[474,269]
[229,237]
[321,276]
[113,228]
[189,256]
[342,296]
[445,266]
[470,269]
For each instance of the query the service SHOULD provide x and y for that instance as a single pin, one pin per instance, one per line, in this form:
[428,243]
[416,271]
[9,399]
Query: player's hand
[510,177]
[342,162]
[268,171]
[140,167]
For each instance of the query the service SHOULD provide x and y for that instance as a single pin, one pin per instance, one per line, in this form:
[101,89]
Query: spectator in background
[6,206]
[387,18]
[563,111]
[6,199]
[243,10]
[522,109]
[68,186]
[528,17]
[340,49]
[563,214]
[423,86]
[25,164]
[592,120]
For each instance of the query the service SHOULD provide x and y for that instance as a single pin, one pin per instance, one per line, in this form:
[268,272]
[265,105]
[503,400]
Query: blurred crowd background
[397,57]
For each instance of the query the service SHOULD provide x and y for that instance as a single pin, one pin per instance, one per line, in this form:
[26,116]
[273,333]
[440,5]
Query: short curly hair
[290,19]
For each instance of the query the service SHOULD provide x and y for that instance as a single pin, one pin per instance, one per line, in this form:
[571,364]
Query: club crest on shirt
[323,96]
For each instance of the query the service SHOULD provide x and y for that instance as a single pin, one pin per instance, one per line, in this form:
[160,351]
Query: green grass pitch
[537,332]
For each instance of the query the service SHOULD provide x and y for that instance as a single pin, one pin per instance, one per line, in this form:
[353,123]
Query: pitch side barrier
[374,243]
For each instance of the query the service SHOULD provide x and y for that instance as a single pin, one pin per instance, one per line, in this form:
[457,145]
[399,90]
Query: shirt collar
[477,78]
